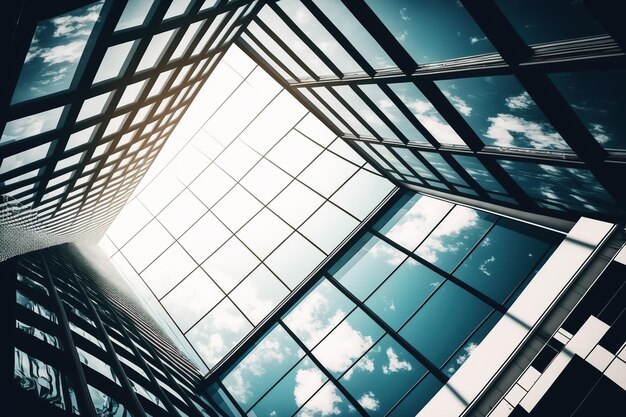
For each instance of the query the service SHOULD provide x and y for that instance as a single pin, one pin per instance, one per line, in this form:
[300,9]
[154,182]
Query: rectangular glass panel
[502,113]
[31,125]
[55,52]
[157,47]
[135,14]
[426,113]
[366,112]
[114,61]
[598,98]
[450,30]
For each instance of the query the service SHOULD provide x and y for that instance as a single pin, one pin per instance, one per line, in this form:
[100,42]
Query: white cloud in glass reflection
[459,103]
[461,358]
[599,133]
[404,14]
[505,129]
[446,237]
[55,50]
[339,356]
[324,403]
[432,121]
[395,363]
[368,401]
[522,101]
[266,353]
[310,320]
[217,333]
[483,267]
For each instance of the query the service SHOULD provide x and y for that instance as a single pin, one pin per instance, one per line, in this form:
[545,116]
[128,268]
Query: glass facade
[403,305]
[264,202]
[312,207]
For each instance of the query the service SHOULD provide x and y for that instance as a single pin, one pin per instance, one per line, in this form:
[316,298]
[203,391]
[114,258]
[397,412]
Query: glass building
[313,208]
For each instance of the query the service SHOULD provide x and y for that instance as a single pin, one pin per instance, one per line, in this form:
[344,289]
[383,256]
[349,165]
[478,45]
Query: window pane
[168,270]
[157,47]
[31,125]
[366,112]
[504,258]
[318,313]
[135,14]
[444,322]
[426,113]
[450,30]
[384,103]
[55,52]
[294,259]
[381,377]
[328,226]
[598,98]
[356,33]
[217,333]
[561,188]
[502,113]
[262,367]
[454,237]
[366,265]
[411,219]
[538,21]
[192,299]
[404,291]
[26,157]
[230,264]
[421,394]
[347,342]
[93,106]
[258,294]
[114,62]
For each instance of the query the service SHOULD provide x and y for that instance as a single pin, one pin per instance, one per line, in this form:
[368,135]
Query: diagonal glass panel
[55,52]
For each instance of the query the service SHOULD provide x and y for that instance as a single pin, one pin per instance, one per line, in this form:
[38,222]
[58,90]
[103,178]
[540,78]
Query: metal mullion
[377,29]
[70,352]
[498,30]
[427,165]
[484,298]
[318,112]
[168,375]
[401,160]
[306,40]
[609,14]
[449,113]
[465,176]
[339,37]
[325,371]
[146,367]
[307,284]
[354,113]
[381,170]
[230,397]
[266,51]
[98,49]
[380,114]
[431,367]
[507,182]
[119,370]
[281,44]
[409,114]
[30,318]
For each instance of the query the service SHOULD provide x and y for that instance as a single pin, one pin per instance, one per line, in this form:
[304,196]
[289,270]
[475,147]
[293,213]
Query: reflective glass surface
[55,52]
[598,98]
[502,113]
[452,33]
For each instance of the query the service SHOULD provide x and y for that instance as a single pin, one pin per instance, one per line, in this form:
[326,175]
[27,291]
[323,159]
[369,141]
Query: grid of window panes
[511,102]
[97,92]
[403,305]
[243,212]
[82,354]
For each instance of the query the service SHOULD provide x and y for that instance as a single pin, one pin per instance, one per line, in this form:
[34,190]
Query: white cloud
[70,53]
[403,14]
[445,237]
[365,364]
[338,351]
[368,401]
[307,319]
[324,403]
[521,101]
[483,267]
[503,127]
[599,133]
[395,364]
[403,36]
[476,39]
[76,25]
[460,104]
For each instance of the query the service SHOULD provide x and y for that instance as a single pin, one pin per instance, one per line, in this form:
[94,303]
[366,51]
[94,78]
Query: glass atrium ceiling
[240,207]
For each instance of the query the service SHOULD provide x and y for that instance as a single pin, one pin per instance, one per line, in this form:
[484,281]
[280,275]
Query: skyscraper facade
[314,207]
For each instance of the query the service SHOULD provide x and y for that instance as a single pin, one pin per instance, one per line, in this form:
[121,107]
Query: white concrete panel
[511,331]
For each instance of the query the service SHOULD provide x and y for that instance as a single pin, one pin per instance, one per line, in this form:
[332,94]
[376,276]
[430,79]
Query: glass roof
[240,207]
